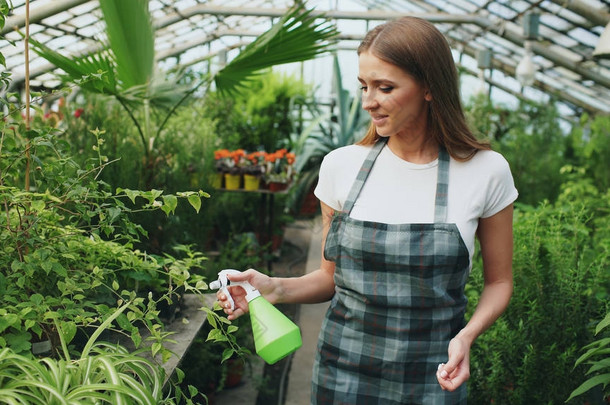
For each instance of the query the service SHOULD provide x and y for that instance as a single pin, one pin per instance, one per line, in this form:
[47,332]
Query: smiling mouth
[378,119]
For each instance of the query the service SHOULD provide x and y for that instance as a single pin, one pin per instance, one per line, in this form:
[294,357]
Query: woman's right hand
[263,283]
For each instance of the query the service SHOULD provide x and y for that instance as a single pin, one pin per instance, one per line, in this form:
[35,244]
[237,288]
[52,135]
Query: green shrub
[561,289]
[597,356]
[591,147]
[67,242]
[531,139]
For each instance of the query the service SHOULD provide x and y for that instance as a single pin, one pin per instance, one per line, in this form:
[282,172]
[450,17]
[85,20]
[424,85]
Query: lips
[379,119]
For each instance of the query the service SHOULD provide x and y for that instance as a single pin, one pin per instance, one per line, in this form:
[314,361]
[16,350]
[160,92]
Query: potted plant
[103,373]
[253,168]
[279,169]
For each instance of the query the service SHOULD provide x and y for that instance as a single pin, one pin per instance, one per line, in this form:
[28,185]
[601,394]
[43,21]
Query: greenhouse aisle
[310,321]
[306,234]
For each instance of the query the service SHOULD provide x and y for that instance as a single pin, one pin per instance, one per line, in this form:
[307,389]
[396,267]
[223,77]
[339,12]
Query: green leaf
[226,354]
[36,299]
[68,330]
[590,383]
[38,205]
[136,338]
[131,194]
[195,202]
[170,202]
[295,37]
[179,375]
[212,320]
[131,36]
[603,324]
[155,348]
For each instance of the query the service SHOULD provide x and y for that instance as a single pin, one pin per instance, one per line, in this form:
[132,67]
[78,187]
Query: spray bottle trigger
[225,290]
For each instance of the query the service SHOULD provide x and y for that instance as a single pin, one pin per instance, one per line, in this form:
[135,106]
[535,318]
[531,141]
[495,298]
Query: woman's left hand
[457,369]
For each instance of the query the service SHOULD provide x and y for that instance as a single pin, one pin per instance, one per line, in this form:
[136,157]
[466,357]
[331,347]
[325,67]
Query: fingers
[243,276]
[226,307]
[450,379]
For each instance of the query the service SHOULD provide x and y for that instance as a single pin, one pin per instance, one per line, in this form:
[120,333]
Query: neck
[414,149]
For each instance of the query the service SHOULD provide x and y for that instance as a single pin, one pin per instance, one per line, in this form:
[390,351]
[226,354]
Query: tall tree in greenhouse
[125,69]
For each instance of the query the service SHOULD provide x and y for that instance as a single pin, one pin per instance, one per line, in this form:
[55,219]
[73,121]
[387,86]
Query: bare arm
[496,240]
[317,286]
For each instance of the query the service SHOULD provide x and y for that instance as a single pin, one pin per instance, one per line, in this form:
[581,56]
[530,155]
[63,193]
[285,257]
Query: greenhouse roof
[191,31]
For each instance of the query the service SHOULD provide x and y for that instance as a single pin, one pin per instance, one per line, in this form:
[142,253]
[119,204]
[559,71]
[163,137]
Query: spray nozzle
[223,282]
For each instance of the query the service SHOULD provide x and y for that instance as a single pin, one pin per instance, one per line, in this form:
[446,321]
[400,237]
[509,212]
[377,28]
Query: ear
[427,95]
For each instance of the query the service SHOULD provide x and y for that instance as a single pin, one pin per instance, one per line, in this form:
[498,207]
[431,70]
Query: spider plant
[104,373]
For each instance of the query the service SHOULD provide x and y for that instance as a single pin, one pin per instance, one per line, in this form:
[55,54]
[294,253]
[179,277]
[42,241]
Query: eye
[387,89]
[363,88]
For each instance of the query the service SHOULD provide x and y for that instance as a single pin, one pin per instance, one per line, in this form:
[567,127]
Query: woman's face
[396,102]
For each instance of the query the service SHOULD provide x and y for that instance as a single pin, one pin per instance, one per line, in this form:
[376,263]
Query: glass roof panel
[193,29]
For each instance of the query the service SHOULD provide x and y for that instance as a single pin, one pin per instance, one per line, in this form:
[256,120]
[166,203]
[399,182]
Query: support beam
[375,15]
[544,87]
[542,50]
[595,15]
[482,22]
[40,13]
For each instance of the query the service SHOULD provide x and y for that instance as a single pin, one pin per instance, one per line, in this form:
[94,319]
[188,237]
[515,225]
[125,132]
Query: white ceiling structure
[190,31]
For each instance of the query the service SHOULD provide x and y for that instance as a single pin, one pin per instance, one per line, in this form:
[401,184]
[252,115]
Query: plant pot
[232,181]
[251,182]
[235,373]
[275,186]
[310,205]
[215,180]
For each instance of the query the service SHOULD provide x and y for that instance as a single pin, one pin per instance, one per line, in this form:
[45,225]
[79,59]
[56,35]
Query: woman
[400,212]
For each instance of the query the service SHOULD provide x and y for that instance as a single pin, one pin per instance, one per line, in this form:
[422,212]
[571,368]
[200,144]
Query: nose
[368,100]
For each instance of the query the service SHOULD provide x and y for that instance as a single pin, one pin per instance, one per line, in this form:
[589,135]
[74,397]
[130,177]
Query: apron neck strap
[442,186]
[442,182]
[362,175]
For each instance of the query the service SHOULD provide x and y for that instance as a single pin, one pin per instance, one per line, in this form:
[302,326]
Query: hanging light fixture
[602,50]
[483,62]
[526,69]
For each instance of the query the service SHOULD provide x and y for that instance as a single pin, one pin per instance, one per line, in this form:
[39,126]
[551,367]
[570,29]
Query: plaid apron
[399,299]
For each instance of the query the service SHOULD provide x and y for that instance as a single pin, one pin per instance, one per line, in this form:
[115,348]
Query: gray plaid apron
[399,299]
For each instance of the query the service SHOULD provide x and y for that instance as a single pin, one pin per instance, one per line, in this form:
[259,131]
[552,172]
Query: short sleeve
[325,189]
[501,189]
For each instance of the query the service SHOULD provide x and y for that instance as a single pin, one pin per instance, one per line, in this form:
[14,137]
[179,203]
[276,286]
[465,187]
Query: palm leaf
[294,38]
[93,72]
[131,38]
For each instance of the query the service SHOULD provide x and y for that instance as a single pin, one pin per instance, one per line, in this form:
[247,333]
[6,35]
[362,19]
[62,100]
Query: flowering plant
[230,162]
[254,163]
[279,166]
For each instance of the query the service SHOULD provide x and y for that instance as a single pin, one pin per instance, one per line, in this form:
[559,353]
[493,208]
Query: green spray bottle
[275,336]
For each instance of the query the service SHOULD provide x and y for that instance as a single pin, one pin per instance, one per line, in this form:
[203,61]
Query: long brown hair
[421,50]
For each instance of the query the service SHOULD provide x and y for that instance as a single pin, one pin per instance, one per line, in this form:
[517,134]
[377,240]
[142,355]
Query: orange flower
[237,155]
[221,154]
[271,157]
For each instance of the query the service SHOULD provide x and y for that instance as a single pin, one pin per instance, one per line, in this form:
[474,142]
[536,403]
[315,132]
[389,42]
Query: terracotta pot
[235,372]
[275,186]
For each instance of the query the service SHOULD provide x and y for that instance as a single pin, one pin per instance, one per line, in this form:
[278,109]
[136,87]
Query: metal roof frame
[196,30]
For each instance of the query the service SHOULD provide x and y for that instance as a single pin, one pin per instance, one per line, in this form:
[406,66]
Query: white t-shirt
[398,191]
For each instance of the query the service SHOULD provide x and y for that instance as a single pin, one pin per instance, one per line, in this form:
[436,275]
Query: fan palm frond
[296,37]
[132,39]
